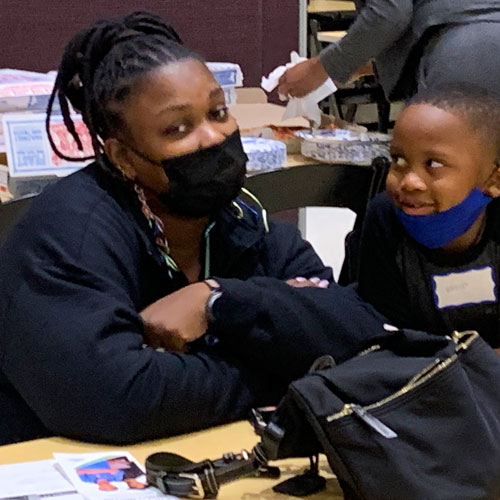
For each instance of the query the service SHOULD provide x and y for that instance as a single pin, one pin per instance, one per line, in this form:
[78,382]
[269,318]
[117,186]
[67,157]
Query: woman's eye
[220,114]
[176,129]
[434,164]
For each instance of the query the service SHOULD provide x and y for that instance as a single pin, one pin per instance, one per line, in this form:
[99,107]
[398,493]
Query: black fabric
[301,324]
[396,274]
[74,275]
[441,401]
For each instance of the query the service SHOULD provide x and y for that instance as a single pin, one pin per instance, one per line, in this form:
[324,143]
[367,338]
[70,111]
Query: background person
[414,44]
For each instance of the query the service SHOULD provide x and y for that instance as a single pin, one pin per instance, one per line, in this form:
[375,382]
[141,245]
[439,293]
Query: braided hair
[99,66]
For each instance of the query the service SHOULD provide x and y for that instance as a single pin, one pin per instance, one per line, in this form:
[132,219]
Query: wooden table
[296,160]
[211,443]
[331,36]
[318,6]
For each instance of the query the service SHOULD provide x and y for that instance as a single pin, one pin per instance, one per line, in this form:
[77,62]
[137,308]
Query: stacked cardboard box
[24,145]
[228,76]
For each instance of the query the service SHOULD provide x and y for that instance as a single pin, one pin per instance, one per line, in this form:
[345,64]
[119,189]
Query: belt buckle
[198,490]
[159,482]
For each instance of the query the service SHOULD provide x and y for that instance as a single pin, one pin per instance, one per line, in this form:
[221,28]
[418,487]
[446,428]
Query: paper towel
[305,106]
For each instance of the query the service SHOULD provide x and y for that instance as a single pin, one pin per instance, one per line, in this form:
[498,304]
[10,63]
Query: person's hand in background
[301,282]
[302,78]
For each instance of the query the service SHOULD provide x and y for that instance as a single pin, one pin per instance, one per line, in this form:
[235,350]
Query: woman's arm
[72,340]
[379,24]
[270,323]
[286,255]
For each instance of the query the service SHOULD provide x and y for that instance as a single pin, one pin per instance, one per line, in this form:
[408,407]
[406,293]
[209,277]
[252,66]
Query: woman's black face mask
[205,181]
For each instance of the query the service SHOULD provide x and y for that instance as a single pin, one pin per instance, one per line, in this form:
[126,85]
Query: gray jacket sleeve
[378,25]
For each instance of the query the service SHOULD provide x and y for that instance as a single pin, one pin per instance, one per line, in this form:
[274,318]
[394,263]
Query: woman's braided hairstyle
[99,66]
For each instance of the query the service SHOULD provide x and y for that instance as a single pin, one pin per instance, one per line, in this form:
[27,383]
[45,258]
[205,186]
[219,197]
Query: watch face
[214,295]
[212,284]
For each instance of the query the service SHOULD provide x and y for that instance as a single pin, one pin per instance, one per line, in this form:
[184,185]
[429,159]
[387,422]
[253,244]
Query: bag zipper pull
[373,422]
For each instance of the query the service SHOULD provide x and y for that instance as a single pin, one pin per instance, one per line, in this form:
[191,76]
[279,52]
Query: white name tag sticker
[476,286]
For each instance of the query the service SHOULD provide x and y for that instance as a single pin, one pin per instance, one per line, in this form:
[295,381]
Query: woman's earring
[126,173]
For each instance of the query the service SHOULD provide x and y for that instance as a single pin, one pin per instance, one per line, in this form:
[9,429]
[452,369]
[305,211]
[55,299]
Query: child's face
[437,159]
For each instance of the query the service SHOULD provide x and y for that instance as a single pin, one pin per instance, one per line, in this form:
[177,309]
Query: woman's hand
[302,78]
[301,282]
[176,320]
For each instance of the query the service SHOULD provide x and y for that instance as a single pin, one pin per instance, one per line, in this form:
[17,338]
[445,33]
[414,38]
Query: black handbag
[413,417]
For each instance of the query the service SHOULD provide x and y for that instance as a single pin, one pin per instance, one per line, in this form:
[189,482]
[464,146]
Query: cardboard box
[228,76]
[265,120]
[253,117]
[4,183]
[250,95]
[28,149]
[31,162]
[230,95]
[24,90]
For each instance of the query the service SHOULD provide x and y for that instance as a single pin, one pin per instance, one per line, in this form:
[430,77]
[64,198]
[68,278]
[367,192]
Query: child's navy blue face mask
[204,181]
[436,230]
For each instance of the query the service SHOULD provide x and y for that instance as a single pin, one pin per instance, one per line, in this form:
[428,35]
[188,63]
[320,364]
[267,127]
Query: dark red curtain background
[257,34]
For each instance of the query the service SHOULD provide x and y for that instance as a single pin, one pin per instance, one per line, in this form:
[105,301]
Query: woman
[116,255]
[414,44]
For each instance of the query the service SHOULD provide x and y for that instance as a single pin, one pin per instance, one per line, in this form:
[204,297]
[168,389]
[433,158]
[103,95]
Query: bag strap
[178,476]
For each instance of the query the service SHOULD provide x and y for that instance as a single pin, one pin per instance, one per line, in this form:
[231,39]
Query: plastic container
[263,154]
[229,76]
[344,146]
[226,74]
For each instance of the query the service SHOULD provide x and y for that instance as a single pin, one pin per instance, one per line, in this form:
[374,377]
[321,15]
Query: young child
[430,252]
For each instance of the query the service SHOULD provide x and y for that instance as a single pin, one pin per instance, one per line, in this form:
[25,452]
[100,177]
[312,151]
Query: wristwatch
[215,294]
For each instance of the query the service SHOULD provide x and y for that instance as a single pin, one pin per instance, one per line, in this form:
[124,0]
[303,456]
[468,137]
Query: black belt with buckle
[178,476]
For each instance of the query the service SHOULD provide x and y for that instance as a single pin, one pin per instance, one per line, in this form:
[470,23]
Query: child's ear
[492,187]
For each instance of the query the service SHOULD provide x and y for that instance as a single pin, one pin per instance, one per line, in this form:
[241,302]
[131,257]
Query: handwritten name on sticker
[475,286]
